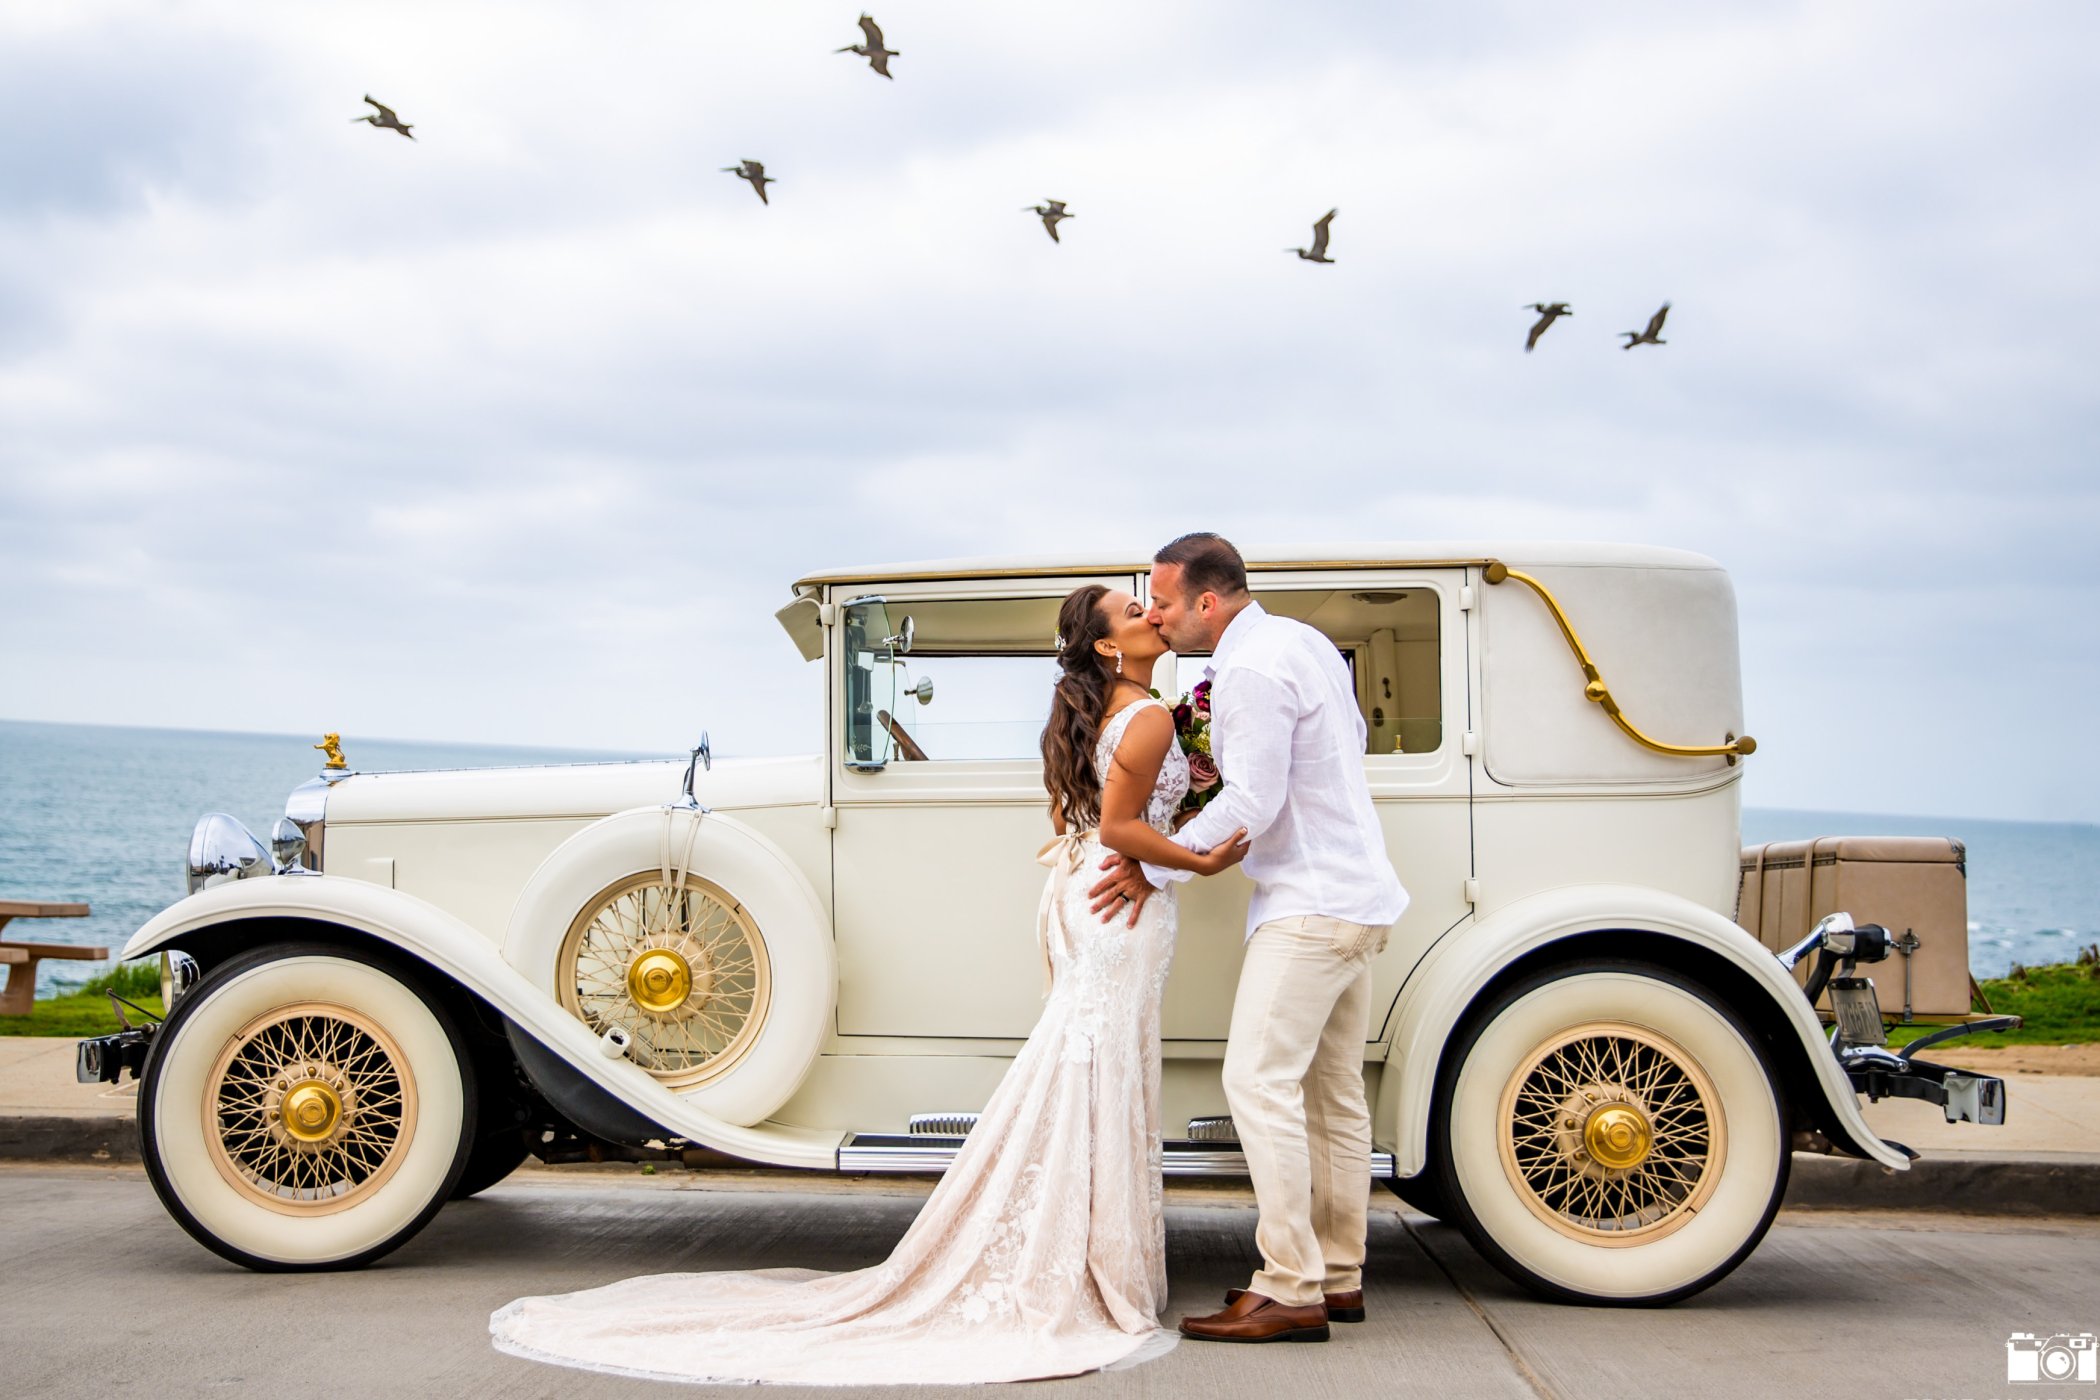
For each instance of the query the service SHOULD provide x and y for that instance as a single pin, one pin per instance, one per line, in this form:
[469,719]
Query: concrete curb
[101,1139]
[2041,1184]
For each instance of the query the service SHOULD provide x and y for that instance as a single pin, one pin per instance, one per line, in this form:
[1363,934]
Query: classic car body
[827,962]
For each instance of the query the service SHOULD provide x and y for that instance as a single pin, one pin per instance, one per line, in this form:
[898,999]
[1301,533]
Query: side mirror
[900,644]
[703,759]
[923,691]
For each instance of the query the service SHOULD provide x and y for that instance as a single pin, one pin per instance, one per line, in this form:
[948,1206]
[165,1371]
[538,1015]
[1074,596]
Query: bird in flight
[877,56]
[1050,211]
[1549,312]
[1318,251]
[755,172]
[1650,336]
[383,116]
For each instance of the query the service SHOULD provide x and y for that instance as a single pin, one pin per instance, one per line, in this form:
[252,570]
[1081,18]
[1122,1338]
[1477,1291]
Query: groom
[1288,737]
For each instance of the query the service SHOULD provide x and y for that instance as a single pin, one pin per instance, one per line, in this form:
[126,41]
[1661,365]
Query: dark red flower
[1182,715]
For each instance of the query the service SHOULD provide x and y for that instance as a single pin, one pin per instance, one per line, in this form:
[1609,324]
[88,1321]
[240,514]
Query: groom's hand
[1126,883]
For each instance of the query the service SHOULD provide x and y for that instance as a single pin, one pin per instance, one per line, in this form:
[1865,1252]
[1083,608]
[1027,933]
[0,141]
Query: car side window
[974,685]
[1391,639]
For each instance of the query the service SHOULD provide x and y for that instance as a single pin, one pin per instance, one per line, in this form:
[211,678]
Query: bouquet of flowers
[1192,729]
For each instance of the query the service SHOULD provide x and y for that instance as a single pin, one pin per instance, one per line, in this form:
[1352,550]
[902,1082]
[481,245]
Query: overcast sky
[520,431]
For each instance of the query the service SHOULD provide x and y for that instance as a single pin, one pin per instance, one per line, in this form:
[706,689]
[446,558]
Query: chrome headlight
[221,849]
[287,845]
[306,809]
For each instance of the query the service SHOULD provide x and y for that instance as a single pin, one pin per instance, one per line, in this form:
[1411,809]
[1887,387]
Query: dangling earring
[1119,663]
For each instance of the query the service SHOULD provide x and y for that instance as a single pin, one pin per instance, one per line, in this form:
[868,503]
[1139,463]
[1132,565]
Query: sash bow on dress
[1064,856]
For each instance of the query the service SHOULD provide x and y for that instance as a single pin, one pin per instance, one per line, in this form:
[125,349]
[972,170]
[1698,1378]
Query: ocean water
[102,815]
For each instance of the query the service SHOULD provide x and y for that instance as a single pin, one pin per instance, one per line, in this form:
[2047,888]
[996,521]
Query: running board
[925,1152]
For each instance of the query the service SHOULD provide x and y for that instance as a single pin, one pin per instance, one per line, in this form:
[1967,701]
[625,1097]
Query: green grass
[2061,1004]
[85,1010]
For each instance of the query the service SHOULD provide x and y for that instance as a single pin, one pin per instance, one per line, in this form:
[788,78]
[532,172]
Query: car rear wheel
[305,1107]
[1611,1134]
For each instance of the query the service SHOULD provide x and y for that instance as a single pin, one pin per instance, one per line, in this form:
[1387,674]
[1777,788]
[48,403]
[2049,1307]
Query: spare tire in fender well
[795,1012]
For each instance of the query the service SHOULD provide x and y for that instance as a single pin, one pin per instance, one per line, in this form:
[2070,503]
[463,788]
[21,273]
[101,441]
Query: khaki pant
[1294,1077]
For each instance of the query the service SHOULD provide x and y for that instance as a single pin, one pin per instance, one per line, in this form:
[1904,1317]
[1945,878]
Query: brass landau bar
[1594,688]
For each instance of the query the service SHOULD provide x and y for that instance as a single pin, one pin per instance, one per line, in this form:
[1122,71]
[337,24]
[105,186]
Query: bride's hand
[1225,855]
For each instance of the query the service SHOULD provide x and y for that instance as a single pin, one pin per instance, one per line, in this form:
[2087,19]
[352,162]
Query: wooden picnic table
[20,959]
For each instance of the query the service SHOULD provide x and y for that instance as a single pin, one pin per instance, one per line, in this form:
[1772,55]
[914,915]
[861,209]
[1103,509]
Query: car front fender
[1453,974]
[454,950]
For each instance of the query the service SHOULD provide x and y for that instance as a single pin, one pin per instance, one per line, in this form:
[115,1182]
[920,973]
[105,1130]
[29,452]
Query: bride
[1042,1252]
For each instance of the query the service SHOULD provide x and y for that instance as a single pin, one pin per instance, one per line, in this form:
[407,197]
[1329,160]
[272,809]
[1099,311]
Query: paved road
[101,1294]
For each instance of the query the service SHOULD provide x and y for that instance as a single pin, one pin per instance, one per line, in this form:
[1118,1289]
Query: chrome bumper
[1880,1073]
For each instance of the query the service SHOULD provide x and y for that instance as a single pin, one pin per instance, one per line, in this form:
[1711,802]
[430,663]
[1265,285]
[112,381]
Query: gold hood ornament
[332,745]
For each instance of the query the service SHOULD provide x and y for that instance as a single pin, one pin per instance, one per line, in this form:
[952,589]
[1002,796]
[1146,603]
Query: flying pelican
[1650,336]
[755,172]
[877,56]
[385,118]
[1318,251]
[1548,313]
[1051,211]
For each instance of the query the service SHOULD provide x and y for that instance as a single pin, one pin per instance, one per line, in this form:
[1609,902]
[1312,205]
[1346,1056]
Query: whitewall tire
[1611,1133]
[699,938]
[305,1108]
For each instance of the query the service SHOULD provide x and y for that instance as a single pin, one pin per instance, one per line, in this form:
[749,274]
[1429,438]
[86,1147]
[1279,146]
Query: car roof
[1359,555]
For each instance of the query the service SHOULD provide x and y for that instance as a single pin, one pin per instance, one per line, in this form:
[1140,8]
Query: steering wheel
[907,747]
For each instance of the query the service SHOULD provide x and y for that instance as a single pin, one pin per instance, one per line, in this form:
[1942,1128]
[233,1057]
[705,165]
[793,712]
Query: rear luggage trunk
[1914,886]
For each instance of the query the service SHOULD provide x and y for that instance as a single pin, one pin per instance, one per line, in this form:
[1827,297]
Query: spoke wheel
[307,1106]
[1609,1131]
[1612,1134]
[683,968]
[310,1107]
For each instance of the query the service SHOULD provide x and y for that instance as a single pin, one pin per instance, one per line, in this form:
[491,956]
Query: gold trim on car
[309,1109]
[1596,691]
[679,964]
[1259,566]
[1612,1134]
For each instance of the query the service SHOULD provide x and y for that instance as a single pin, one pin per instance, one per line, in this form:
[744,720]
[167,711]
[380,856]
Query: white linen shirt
[1289,740]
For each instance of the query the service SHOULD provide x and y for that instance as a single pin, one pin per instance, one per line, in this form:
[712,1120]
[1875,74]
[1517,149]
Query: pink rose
[1203,772]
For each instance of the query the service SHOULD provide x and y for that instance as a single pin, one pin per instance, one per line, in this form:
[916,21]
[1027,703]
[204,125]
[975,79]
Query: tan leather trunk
[1914,886]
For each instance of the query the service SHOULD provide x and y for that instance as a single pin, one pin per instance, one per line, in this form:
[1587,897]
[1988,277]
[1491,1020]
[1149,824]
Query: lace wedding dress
[1041,1253]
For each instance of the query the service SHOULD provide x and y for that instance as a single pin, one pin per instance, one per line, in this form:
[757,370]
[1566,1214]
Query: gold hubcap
[659,980]
[1618,1137]
[311,1111]
[310,1108]
[681,967]
[1612,1133]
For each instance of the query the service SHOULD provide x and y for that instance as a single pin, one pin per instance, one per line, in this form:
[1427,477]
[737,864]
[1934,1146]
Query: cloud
[519,431]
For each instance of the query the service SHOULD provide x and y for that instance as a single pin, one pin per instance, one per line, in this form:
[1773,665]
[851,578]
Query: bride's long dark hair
[1081,699]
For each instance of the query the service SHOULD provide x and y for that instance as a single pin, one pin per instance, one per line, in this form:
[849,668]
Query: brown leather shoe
[1341,1307]
[1254,1318]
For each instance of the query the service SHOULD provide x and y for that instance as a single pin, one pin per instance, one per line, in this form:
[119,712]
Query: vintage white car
[827,962]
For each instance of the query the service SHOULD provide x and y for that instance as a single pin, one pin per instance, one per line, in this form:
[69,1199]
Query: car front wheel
[305,1108]
[1611,1133]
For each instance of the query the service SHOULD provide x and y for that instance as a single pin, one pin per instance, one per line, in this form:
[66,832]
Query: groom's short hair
[1208,564]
